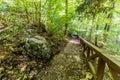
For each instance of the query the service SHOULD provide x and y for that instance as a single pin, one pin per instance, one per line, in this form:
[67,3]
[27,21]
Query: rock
[37,47]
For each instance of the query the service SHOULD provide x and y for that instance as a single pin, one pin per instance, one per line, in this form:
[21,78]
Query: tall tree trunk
[36,13]
[90,34]
[40,9]
[107,25]
[91,29]
[66,19]
[27,15]
[96,36]
[26,11]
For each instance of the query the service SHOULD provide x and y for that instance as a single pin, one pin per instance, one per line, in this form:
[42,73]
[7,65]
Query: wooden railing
[98,59]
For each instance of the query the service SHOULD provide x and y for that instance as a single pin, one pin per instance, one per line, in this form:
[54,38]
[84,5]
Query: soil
[69,64]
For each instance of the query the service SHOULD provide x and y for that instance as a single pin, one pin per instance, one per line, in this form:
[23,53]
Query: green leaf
[15,28]
[12,49]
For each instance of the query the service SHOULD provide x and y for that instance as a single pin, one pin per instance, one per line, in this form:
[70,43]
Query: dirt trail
[67,65]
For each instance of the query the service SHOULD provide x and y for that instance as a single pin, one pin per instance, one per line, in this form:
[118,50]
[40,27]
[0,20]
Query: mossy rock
[37,47]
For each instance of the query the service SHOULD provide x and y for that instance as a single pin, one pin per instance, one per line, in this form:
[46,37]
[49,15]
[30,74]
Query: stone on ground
[37,47]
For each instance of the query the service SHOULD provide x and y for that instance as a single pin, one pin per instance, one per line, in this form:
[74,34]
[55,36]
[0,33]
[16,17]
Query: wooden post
[115,73]
[100,69]
[88,53]
[91,52]
[101,57]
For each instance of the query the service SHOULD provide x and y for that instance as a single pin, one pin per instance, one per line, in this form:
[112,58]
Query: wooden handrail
[105,58]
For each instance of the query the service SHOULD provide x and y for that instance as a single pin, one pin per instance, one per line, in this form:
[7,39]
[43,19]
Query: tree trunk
[40,13]
[36,13]
[91,29]
[26,11]
[107,25]
[66,19]
[96,36]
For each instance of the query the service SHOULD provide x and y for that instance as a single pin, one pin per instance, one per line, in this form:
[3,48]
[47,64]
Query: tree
[66,19]
[107,25]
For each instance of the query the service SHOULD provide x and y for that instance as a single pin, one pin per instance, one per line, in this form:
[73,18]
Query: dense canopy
[54,21]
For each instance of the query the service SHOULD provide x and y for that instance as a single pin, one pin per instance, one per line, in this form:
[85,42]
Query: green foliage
[83,17]
[95,20]
[92,13]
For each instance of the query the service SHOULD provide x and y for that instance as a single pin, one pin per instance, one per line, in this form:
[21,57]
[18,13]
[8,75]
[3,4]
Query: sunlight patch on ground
[74,41]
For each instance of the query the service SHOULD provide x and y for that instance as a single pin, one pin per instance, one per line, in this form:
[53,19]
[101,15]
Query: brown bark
[66,19]
[96,36]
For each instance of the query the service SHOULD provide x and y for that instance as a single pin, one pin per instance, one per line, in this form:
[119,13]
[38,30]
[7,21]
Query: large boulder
[37,47]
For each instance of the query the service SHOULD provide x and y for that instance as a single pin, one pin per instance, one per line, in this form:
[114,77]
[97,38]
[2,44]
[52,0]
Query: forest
[59,40]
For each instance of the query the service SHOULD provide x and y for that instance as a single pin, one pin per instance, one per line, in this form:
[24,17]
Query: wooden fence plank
[100,69]
[115,74]
[113,62]
[103,58]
